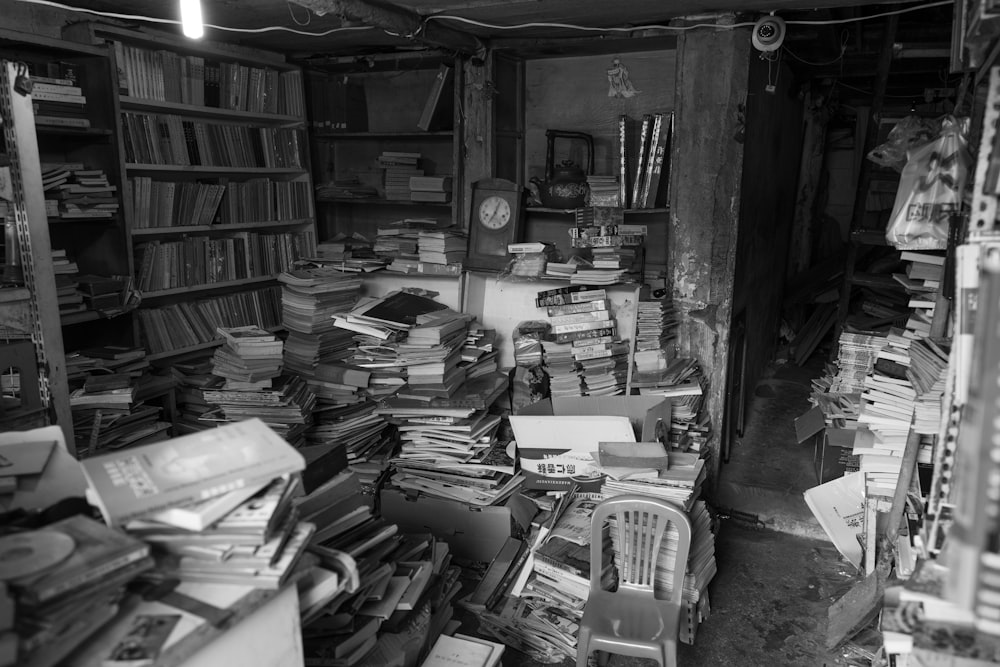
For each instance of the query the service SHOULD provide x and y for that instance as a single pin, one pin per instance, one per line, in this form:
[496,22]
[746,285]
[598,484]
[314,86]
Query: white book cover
[839,506]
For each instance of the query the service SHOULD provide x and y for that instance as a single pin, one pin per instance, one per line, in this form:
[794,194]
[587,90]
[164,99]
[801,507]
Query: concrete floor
[770,598]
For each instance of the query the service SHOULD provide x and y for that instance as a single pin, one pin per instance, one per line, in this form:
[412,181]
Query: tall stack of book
[399,167]
[67,580]
[58,101]
[435,189]
[656,325]
[67,273]
[442,246]
[582,353]
[838,392]
[219,506]
[249,366]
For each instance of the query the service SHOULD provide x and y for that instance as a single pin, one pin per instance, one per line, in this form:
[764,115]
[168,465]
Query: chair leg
[582,648]
[603,657]
[670,654]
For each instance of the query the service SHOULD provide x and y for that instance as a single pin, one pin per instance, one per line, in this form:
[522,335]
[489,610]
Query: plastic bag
[930,190]
[906,135]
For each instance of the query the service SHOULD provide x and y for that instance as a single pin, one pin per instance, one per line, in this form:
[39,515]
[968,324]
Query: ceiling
[834,43]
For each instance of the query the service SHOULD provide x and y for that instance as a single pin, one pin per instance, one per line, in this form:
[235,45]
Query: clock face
[494,212]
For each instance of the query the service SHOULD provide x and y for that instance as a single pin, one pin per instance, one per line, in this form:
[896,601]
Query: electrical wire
[483,24]
[153,19]
[845,37]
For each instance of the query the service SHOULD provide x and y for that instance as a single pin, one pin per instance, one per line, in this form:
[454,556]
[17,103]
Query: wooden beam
[397,21]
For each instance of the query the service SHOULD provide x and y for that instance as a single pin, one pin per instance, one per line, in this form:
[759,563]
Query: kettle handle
[550,149]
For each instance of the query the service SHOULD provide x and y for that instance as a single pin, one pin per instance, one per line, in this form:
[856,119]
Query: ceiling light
[191,22]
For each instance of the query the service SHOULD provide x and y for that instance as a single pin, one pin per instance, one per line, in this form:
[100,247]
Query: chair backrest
[640,524]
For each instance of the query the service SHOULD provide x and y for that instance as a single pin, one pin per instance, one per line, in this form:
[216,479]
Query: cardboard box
[832,447]
[555,437]
[473,533]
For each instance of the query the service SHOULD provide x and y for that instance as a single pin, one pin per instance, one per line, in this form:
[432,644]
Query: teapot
[565,185]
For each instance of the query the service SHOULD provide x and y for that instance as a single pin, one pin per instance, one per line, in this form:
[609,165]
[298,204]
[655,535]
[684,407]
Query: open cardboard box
[472,532]
[555,437]
[829,458]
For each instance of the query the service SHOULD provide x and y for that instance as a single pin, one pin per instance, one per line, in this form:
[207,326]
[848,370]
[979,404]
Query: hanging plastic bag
[908,134]
[930,190]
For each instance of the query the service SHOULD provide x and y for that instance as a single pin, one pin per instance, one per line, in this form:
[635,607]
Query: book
[438,109]
[640,169]
[97,552]
[839,505]
[132,483]
[451,651]
[200,515]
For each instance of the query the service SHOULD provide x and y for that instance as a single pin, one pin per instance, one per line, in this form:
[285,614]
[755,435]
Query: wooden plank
[856,609]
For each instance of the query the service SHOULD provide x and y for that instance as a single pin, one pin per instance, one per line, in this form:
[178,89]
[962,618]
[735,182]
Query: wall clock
[495,221]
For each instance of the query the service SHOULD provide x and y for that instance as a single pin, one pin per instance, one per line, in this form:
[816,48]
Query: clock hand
[493,212]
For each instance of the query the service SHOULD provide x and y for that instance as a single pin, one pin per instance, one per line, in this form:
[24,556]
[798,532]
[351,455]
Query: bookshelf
[218,191]
[75,125]
[362,112]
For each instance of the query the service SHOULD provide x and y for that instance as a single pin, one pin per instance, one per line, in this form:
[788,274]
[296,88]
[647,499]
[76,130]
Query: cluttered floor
[778,574]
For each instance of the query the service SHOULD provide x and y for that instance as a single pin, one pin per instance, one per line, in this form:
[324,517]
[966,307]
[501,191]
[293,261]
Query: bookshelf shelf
[180,351]
[59,220]
[207,287]
[68,132]
[155,106]
[376,201]
[189,229]
[79,318]
[199,169]
[444,135]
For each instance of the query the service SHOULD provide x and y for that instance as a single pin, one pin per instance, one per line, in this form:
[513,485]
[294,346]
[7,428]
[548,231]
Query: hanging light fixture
[191,22]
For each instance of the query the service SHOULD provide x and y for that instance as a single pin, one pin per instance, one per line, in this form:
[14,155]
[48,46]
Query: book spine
[574,294]
[641,158]
[622,162]
[582,335]
[582,326]
[574,308]
[590,316]
[654,139]
[509,576]
[85,577]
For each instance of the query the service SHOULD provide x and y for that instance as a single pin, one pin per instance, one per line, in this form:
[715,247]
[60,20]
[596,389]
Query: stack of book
[399,167]
[103,293]
[345,188]
[73,191]
[67,580]
[218,506]
[309,299]
[582,353]
[249,359]
[435,189]
[442,246]
[59,101]
[838,392]
[604,191]
[683,383]
[286,406]
[406,582]
[400,239]
[656,325]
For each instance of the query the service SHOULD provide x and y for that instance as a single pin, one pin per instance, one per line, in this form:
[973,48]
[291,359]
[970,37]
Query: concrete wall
[772,151]
[705,201]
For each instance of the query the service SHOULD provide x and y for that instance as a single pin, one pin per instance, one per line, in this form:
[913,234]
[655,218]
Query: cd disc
[32,552]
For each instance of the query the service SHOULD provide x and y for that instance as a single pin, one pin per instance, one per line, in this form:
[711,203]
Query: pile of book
[247,382]
[400,239]
[582,353]
[218,508]
[442,246]
[67,580]
[435,189]
[656,325]
[73,191]
[399,167]
[402,603]
[684,384]
[604,191]
[106,294]
[533,594]
[345,188]
[58,100]
[109,393]
[838,392]
[352,254]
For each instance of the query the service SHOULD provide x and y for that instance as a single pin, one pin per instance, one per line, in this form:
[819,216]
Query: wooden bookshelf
[161,77]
